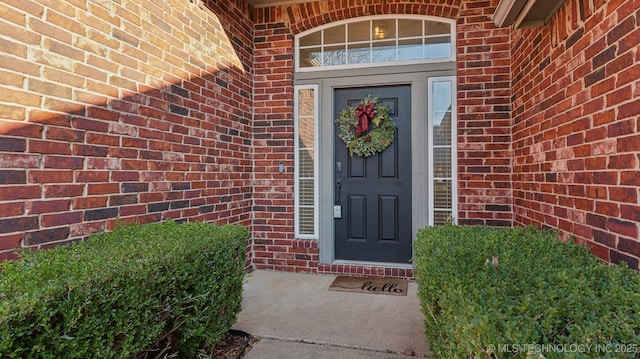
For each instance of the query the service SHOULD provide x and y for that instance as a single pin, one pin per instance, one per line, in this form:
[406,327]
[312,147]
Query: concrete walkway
[296,316]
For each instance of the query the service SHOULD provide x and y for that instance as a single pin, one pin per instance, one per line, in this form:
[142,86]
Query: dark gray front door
[374,193]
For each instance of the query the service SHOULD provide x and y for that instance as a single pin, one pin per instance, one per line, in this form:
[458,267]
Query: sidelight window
[442,156]
[306,162]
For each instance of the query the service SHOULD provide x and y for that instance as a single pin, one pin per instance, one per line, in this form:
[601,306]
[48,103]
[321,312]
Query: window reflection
[358,54]
[306,185]
[384,51]
[376,41]
[441,149]
[334,55]
[411,49]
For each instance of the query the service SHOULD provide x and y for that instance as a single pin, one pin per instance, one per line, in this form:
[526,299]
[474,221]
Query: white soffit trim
[525,13]
[507,12]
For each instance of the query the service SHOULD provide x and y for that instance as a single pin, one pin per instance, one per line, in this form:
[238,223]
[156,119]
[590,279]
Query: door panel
[357,215]
[375,192]
[388,218]
[389,161]
[357,167]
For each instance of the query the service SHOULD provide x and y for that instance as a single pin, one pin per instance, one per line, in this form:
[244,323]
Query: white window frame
[297,204]
[431,146]
[452,34]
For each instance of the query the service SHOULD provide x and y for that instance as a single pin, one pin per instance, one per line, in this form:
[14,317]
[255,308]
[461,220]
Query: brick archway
[305,16]
[325,16]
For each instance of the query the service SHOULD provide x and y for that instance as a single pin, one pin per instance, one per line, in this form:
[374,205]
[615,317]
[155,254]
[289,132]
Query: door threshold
[362,268]
[372,264]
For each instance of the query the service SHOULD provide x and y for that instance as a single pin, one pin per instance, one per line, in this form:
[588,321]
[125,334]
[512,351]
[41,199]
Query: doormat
[372,285]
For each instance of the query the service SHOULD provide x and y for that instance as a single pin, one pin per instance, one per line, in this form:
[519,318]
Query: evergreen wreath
[366,129]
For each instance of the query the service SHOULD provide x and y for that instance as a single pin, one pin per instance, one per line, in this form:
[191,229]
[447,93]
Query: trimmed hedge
[132,292]
[483,288]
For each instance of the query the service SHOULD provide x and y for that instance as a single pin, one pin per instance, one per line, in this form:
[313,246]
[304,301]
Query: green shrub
[134,291]
[483,288]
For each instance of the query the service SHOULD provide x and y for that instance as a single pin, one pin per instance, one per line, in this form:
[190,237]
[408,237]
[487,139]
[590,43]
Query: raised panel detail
[357,167]
[389,161]
[357,215]
[389,157]
[388,218]
[392,104]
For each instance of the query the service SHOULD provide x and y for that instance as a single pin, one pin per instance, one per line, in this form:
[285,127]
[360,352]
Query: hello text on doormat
[388,286]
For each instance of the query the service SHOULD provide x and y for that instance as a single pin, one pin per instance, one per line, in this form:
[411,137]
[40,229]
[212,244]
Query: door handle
[338,190]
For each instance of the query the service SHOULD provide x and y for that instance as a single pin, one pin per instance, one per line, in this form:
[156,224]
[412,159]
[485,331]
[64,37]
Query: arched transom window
[374,41]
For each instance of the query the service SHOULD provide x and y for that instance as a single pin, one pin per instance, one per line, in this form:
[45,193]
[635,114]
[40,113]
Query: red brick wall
[184,109]
[576,122]
[135,109]
[484,113]
[274,244]
[484,117]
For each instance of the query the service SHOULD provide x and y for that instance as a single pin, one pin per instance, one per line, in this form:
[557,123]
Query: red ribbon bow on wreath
[367,129]
[364,113]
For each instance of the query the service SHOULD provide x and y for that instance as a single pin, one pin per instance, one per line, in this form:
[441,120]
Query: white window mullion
[370,41]
[322,55]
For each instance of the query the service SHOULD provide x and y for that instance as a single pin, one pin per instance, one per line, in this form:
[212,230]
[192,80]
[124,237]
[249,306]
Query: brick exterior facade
[576,140]
[148,110]
[484,152]
[140,110]
[484,119]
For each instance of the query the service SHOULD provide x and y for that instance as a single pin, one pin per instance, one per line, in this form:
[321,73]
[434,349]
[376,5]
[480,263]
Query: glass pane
[306,220]
[391,40]
[441,100]
[436,28]
[311,57]
[306,192]
[442,217]
[442,131]
[359,54]
[409,28]
[305,103]
[359,31]
[306,159]
[384,51]
[438,47]
[305,131]
[409,49]
[442,194]
[334,35]
[442,163]
[334,55]
[383,29]
[311,39]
